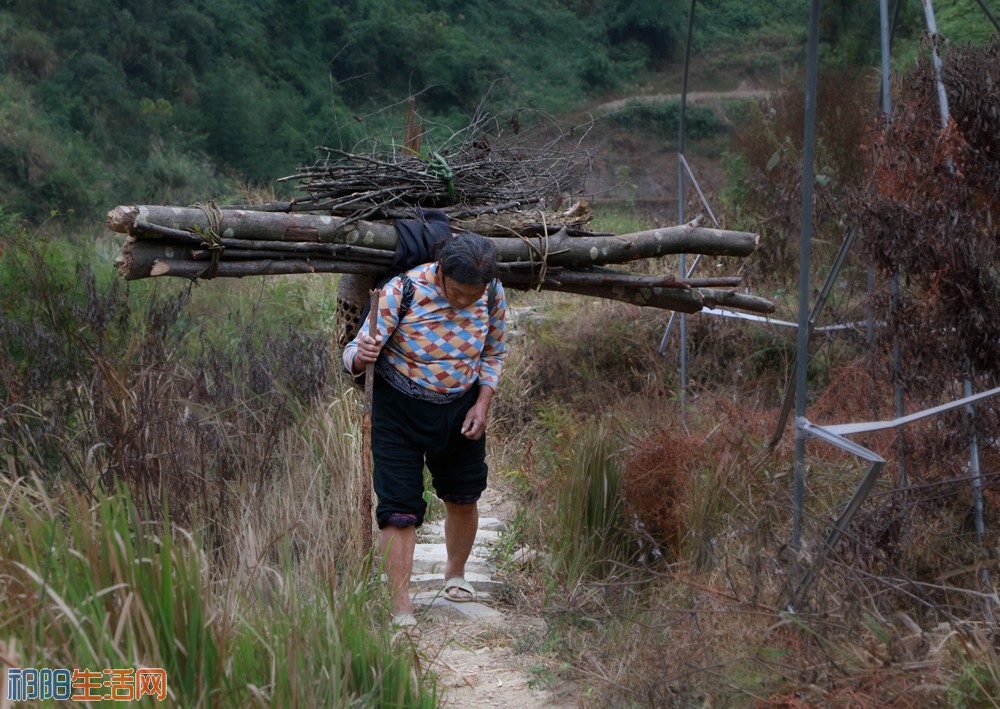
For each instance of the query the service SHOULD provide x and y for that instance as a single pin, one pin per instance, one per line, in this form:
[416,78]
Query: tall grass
[94,585]
[586,534]
[180,481]
[895,614]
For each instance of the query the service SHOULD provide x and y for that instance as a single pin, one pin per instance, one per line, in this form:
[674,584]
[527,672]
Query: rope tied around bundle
[212,236]
[541,251]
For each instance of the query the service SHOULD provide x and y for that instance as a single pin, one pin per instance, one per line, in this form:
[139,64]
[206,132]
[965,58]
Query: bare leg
[397,549]
[460,524]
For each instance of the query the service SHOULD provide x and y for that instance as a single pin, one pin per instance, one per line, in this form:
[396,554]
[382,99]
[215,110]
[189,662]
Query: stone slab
[483,535]
[491,524]
[470,610]
[481,582]
[432,559]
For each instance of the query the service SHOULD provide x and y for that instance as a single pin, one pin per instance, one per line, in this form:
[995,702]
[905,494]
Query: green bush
[662,119]
[738,22]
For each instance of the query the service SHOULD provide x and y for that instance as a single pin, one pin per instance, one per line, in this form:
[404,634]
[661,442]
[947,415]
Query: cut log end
[124,262]
[121,218]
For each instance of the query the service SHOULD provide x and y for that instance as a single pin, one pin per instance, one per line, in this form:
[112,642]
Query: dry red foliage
[929,214]
[655,479]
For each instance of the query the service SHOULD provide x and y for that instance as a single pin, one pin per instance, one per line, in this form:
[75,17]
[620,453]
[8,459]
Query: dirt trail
[481,652]
[710,98]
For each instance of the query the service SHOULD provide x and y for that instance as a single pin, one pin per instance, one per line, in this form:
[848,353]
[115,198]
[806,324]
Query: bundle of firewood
[209,242]
[509,189]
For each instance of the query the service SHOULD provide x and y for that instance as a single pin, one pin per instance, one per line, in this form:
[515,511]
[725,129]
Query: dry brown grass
[311,509]
[710,627]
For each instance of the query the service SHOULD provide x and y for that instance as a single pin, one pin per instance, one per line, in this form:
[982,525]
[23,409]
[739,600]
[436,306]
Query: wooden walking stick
[366,433]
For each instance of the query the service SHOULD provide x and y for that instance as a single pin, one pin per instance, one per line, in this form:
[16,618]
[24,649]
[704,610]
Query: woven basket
[352,296]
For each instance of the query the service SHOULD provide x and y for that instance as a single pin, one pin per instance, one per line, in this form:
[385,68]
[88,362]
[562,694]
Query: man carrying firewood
[438,356]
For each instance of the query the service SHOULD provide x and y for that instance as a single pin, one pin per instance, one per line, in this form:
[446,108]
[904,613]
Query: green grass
[959,22]
[92,584]
[175,470]
[618,219]
[586,534]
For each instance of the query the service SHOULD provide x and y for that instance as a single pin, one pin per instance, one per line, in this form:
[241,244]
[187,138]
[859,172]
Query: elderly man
[438,356]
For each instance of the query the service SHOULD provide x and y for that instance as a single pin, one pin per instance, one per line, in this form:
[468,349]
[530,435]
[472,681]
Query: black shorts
[408,433]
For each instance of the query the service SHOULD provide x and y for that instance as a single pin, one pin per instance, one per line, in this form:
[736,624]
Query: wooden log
[259,226]
[681,299]
[526,221]
[144,258]
[149,259]
[303,249]
[559,249]
[366,432]
[583,251]
[716,298]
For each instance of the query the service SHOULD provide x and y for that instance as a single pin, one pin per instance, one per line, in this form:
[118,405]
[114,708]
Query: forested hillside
[136,100]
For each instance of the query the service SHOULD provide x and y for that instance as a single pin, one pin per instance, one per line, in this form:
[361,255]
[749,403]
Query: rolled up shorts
[408,433]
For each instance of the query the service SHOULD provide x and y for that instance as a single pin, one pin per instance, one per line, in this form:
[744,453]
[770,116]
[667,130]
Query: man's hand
[474,425]
[368,349]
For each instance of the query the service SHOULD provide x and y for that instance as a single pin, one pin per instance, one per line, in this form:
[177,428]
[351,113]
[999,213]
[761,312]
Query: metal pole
[805,253]
[708,208]
[974,443]
[680,196]
[869,314]
[824,294]
[886,75]
[897,366]
[897,379]
[936,56]
[886,110]
[977,487]
[989,14]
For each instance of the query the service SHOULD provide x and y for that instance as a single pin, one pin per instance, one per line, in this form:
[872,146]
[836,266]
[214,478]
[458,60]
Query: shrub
[765,193]
[655,475]
[32,55]
[109,387]
[662,119]
[928,213]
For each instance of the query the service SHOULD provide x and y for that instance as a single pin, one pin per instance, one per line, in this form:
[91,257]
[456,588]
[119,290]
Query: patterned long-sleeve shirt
[434,345]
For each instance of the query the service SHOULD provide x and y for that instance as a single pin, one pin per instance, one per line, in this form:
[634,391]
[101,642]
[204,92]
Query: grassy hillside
[130,101]
[136,100]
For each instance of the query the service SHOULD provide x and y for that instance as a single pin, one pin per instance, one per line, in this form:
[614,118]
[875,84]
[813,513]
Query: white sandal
[404,620]
[461,584]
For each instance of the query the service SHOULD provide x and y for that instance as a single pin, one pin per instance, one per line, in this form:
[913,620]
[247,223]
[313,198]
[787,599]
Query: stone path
[429,560]
[473,647]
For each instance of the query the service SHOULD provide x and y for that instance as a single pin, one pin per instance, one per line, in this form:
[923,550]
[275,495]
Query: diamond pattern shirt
[434,345]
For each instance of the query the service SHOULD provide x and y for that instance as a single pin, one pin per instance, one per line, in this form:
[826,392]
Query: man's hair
[468,258]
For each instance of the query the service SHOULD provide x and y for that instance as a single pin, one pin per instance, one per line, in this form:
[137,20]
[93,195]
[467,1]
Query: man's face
[462,295]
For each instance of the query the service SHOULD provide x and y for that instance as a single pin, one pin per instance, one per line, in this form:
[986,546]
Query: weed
[435,506]
[587,537]
[93,585]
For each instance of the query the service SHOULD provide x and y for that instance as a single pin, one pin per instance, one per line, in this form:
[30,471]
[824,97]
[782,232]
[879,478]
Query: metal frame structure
[808,317]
